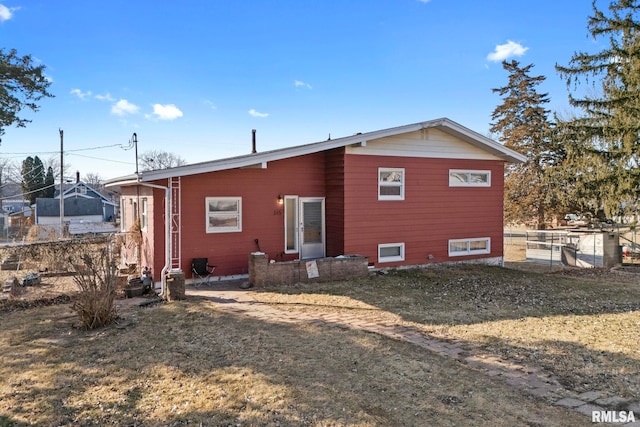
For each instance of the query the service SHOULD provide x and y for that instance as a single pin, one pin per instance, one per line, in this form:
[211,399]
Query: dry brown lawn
[189,363]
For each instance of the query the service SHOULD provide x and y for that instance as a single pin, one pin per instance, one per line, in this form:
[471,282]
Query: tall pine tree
[49,184]
[521,123]
[32,178]
[603,142]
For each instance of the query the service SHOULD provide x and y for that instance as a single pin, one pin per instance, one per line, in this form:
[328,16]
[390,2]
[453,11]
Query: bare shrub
[96,275]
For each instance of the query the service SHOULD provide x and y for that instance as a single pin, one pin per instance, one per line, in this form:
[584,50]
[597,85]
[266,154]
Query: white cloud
[106,97]
[123,107]
[6,13]
[80,94]
[255,113]
[210,104]
[504,51]
[166,112]
[299,83]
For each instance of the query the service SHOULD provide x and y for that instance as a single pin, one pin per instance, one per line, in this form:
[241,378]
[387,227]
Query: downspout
[167,236]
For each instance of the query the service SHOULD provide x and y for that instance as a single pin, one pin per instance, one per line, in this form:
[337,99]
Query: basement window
[390,252]
[476,246]
[224,214]
[469,178]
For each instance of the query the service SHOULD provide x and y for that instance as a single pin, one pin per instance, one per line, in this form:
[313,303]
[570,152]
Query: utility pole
[61,184]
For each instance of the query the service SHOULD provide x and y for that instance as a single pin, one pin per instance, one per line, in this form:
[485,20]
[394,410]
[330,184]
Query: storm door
[312,240]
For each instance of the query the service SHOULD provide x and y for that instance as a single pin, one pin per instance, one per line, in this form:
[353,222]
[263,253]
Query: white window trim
[469,251]
[469,184]
[296,233]
[223,229]
[382,259]
[401,185]
[123,214]
[144,218]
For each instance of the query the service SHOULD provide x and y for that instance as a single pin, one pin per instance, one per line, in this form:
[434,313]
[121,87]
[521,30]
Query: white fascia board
[268,156]
[122,181]
[260,160]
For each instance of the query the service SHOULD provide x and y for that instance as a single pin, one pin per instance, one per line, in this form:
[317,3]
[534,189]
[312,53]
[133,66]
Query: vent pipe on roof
[77,177]
[253,141]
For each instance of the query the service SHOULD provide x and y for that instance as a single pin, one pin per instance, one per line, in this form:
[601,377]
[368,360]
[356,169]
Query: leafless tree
[158,159]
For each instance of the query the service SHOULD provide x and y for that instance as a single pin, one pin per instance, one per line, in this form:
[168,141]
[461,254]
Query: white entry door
[312,241]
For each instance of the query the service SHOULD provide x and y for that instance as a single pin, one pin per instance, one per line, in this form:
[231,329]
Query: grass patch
[189,363]
[580,325]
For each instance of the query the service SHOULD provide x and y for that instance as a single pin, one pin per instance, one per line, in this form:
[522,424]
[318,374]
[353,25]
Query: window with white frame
[224,214]
[143,213]
[390,252]
[476,246]
[290,224]
[390,183]
[469,178]
[123,214]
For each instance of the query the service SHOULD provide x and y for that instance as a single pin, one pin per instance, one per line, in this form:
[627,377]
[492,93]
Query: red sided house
[411,195]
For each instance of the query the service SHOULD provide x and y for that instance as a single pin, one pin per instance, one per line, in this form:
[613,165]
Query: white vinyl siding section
[390,252]
[223,214]
[430,143]
[390,184]
[475,246]
[469,178]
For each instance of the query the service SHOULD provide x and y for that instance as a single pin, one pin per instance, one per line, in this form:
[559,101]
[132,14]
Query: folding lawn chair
[202,272]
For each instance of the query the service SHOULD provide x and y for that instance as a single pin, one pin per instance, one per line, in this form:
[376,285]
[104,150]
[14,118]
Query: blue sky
[194,77]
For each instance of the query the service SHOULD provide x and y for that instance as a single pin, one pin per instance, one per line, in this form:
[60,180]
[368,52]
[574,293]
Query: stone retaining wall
[264,273]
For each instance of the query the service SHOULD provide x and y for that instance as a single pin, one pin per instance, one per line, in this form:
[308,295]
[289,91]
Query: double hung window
[391,184]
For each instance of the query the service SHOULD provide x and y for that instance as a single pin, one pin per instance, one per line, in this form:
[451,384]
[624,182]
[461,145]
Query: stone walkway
[528,379]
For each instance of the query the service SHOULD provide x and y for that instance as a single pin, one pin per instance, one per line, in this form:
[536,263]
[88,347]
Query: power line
[67,151]
[29,192]
[100,158]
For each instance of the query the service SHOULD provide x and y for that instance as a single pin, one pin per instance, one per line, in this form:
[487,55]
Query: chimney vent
[77,177]
[253,141]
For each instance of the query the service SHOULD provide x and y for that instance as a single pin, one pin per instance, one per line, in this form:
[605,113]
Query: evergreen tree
[27,167]
[603,143]
[32,178]
[49,184]
[22,84]
[521,123]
